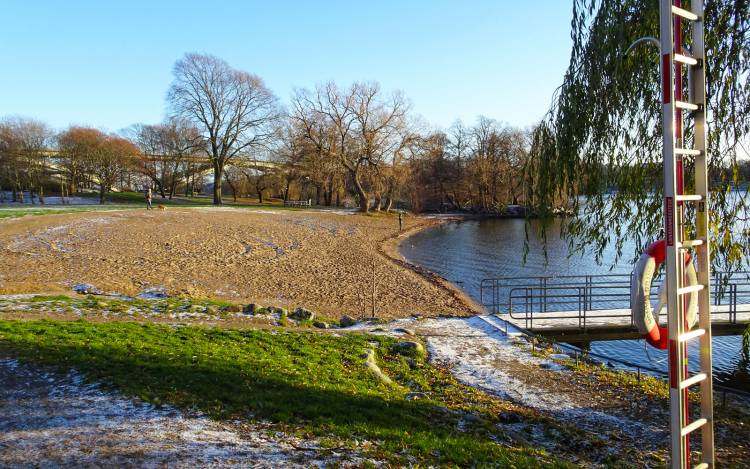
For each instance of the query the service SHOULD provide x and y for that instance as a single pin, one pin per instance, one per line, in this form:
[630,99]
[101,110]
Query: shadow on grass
[315,383]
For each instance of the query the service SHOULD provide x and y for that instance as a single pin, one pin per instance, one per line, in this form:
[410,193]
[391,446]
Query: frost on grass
[50,421]
[480,355]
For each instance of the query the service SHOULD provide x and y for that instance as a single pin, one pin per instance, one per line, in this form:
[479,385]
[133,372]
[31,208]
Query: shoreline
[390,248]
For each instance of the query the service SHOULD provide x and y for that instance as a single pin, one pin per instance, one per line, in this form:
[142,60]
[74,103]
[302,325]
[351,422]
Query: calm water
[466,252]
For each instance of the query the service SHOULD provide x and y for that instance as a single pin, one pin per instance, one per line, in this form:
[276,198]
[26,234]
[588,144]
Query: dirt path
[320,260]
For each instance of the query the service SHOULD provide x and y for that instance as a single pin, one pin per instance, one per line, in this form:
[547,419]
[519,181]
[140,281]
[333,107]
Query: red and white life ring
[640,288]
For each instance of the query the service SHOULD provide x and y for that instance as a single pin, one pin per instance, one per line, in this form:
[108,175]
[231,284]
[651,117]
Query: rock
[373,366]
[302,314]
[210,310]
[154,293]
[404,330]
[347,321]
[233,308]
[509,417]
[86,289]
[320,325]
[409,347]
[250,309]
[416,395]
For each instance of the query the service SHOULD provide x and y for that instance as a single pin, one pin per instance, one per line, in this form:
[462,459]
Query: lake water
[466,252]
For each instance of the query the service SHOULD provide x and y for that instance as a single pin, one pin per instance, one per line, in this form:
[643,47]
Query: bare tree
[233,109]
[23,145]
[363,127]
[167,150]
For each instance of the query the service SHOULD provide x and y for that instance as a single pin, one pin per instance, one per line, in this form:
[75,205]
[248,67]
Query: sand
[320,260]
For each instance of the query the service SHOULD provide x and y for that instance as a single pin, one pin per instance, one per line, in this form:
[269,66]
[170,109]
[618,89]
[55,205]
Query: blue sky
[109,64]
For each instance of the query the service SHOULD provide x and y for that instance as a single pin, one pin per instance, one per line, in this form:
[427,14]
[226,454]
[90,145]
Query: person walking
[148,199]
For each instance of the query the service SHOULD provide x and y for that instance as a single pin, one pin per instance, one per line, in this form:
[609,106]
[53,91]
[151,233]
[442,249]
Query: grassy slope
[315,384]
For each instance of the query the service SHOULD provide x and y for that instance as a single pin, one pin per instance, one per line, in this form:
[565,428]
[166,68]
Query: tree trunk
[173,189]
[318,191]
[377,203]
[364,202]
[260,196]
[231,186]
[286,190]
[388,204]
[218,176]
[101,194]
[328,197]
[41,194]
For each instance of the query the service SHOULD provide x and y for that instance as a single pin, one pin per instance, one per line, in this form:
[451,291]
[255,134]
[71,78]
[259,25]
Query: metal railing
[546,297]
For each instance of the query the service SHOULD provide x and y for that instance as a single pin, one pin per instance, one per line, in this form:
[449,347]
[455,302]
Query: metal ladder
[674,59]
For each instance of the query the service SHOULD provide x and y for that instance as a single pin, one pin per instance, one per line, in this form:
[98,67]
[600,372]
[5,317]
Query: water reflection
[468,251]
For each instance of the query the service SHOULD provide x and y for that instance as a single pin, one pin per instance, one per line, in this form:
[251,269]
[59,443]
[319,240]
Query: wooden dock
[610,324]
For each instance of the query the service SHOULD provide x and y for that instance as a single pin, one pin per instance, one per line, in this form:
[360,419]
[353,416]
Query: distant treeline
[335,145]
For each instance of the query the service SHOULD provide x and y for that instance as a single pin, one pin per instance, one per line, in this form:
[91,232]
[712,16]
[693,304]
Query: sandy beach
[315,259]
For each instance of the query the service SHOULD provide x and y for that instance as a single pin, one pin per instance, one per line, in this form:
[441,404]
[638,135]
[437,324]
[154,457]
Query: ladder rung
[689,289]
[687,106]
[688,198]
[685,59]
[690,428]
[693,380]
[688,15]
[690,335]
[702,465]
[691,243]
[687,151]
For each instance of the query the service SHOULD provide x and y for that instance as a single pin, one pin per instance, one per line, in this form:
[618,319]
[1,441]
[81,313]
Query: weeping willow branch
[599,149]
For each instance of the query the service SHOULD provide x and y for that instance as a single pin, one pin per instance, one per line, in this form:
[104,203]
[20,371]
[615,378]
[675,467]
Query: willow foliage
[599,149]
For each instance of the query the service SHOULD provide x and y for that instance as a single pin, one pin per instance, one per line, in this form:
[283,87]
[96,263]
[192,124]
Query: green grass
[307,383]
[131,200]
[138,198]
[16,212]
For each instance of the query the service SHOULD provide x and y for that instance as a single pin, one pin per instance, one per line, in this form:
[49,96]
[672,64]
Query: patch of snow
[52,421]
[473,348]
[479,354]
[86,289]
[153,293]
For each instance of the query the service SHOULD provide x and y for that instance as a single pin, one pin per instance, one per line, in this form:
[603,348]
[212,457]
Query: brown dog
[162,207]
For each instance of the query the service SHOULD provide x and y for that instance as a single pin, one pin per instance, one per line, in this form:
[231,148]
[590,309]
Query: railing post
[581,304]
[496,295]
